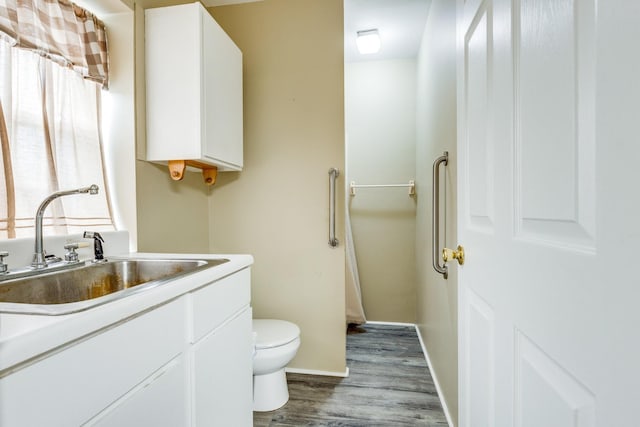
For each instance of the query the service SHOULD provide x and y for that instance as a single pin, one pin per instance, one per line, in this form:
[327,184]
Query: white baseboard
[375,322]
[321,373]
[435,379]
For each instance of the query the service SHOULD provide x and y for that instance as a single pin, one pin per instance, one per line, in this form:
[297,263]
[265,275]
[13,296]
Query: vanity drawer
[71,386]
[215,303]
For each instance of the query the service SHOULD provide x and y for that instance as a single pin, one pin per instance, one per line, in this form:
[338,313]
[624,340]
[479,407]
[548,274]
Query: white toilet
[276,343]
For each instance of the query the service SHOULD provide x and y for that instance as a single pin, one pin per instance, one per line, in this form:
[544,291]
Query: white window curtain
[51,141]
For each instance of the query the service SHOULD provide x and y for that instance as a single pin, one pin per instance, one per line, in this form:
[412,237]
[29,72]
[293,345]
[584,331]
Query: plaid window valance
[59,30]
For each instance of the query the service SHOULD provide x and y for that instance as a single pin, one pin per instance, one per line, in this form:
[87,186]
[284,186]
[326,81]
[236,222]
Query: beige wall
[380,111]
[277,208]
[437,298]
[172,216]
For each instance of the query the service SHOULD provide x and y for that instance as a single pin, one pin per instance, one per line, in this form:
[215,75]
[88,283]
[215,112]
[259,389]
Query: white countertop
[23,337]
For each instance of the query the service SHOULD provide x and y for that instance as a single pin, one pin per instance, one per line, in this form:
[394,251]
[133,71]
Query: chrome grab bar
[333,174]
[435,223]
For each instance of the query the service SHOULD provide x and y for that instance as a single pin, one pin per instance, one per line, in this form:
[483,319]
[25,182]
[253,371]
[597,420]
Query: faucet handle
[3,267]
[72,255]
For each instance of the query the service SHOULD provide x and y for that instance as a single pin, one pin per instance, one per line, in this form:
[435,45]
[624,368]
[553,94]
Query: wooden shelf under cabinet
[177,168]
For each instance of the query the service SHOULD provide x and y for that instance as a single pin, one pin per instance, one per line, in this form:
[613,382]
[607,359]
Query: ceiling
[399,22]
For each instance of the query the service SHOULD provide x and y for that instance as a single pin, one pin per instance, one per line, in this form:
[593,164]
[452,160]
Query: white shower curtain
[355,311]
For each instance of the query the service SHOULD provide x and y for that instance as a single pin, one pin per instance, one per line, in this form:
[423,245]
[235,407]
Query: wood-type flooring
[389,384]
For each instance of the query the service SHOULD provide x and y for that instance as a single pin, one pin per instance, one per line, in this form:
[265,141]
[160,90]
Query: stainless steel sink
[87,286]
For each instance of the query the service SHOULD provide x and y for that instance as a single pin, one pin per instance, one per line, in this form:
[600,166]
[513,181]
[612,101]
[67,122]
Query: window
[50,135]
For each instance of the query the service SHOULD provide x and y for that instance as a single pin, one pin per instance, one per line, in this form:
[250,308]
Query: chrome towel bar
[411,185]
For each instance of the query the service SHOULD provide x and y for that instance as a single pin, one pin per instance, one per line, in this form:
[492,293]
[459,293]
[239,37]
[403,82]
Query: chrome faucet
[39,260]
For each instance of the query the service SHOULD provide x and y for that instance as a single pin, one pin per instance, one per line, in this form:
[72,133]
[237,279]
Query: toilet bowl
[276,343]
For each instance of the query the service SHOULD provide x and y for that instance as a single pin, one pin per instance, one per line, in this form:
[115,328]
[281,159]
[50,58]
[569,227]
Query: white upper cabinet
[194,88]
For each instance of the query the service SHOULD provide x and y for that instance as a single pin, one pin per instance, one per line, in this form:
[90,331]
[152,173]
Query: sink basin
[78,289]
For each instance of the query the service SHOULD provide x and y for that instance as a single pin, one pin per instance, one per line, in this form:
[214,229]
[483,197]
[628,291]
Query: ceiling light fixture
[368,41]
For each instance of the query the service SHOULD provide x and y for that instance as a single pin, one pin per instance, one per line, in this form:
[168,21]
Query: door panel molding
[478,363]
[554,199]
[546,394]
[479,147]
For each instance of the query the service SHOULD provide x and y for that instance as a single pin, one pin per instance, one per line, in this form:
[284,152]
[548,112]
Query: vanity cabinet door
[223,375]
[160,401]
[75,384]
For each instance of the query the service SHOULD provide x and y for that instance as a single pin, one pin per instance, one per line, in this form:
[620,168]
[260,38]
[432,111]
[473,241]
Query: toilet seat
[272,333]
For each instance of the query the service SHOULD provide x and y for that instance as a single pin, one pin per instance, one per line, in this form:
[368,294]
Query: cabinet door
[160,401]
[73,385]
[222,79]
[173,82]
[223,375]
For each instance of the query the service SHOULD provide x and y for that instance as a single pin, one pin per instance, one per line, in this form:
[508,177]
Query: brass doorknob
[451,254]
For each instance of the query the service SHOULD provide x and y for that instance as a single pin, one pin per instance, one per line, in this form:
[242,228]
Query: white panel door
[549,212]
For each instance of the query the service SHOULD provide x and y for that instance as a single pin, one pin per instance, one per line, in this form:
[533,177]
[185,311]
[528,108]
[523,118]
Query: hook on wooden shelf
[177,168]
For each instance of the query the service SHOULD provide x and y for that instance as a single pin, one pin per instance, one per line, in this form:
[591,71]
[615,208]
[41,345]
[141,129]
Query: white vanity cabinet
[185,362]
[194,88]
